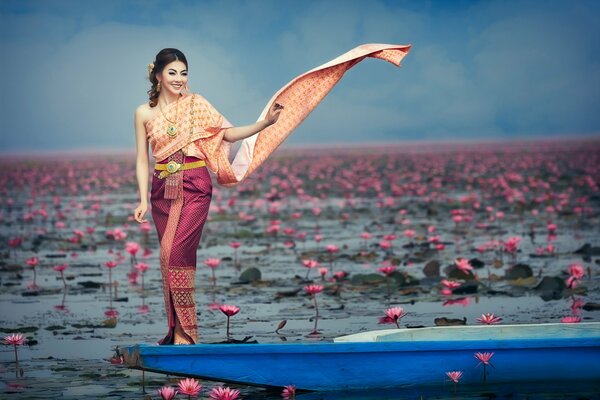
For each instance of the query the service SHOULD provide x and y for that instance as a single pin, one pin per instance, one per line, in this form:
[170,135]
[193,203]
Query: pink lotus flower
[463,265]
[111,264]
[60,268]
[289,231]
[229,310]
[313,289]
[512,244]
[489,319]
[331,248]
[395,314]
[571,320]
[78,232]
[132,248]
[310,263]
[385,245]
[323,271]
[365,236]
[220,393]
[111,313]
[234,245]
[318,238]
[33,261]
[145,227]
[340,275]
[142,267]
[289,392]
[454,375]
[450,284]
[16,339]
[390,237]
[409,233]
[212,262]
[484,357]
[117,234]
[577,271]
[189,386]
[167,392]
[387,270]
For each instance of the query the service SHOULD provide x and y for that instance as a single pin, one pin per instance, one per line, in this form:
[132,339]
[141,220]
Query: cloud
[77,70]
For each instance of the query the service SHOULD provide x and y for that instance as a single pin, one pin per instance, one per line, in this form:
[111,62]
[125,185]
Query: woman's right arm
[141,165]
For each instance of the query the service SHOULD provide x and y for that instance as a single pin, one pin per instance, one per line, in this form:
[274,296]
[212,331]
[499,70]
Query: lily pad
[432,269]
[518,271]
[367,279]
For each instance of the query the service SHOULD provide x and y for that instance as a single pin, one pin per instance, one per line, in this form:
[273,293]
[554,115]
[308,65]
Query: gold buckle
[173,166]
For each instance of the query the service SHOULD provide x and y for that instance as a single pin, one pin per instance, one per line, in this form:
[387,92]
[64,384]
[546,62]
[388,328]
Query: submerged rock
[250,275]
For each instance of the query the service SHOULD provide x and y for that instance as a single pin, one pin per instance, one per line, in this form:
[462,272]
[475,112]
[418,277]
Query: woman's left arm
[242,132]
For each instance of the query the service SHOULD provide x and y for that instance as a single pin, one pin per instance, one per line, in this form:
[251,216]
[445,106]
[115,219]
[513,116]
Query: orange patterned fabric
[300,96]
[200,129]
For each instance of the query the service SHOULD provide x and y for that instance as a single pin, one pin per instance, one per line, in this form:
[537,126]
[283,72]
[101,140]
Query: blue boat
[391,358]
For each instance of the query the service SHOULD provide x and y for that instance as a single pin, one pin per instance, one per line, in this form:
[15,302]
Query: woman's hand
[139,213]
[273,114]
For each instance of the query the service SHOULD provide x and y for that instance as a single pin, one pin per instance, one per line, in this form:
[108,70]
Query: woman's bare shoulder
[144,112]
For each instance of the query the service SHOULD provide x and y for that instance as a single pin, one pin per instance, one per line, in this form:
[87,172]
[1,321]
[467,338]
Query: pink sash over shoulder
[300,96]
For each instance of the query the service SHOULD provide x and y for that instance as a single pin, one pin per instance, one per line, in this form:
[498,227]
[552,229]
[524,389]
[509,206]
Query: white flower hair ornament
[150,68]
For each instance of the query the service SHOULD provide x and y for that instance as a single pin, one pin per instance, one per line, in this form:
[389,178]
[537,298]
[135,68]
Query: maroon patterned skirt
[179,223]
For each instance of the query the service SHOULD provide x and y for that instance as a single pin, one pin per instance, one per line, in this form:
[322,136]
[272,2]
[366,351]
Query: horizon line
[330,145]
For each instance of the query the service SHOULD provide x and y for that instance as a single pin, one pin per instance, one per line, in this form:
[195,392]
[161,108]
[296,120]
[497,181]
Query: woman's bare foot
[180,337]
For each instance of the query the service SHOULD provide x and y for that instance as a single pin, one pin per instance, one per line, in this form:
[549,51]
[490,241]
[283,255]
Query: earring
[158,87]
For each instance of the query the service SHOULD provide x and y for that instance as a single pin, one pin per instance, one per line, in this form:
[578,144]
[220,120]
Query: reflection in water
[62,307]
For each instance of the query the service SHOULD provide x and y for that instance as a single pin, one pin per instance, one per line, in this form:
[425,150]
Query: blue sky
[74,71]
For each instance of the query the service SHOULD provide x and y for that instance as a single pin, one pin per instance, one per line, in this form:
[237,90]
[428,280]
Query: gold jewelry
[172,129]
[158,86]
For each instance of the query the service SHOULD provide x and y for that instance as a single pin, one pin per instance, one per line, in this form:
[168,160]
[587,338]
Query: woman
[188,135]
[184,131]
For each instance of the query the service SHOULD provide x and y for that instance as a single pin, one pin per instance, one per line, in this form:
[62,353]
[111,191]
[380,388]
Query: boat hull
[364,365]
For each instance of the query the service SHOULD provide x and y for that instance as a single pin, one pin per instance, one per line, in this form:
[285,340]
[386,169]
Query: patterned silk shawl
[300,96]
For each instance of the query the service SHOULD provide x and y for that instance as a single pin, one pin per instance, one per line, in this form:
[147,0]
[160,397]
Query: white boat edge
[478,332]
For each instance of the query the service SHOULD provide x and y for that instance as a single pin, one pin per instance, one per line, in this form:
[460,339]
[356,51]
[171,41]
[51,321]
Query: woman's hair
[163,58]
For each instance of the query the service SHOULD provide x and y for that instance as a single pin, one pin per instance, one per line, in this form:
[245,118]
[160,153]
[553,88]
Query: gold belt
[173,166]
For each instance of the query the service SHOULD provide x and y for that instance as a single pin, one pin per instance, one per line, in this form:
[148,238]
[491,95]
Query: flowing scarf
[299,97]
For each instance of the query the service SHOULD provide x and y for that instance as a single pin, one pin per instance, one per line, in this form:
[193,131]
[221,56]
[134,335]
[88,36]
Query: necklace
[171,129]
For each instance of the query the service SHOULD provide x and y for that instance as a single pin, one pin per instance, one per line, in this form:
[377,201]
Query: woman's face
[173,78]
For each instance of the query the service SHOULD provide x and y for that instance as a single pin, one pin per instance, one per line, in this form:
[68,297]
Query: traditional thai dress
[180,202]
